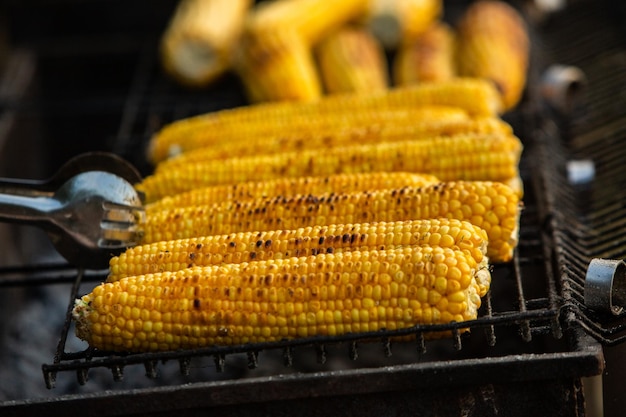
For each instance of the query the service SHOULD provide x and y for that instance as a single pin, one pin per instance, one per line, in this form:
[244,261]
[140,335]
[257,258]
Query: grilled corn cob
[471,157]
[477,97]
[300,140]
[397,21]
[285,187]
[429,58]
[300,129]
[492,206]
[352,60]
[494,44]
[197,45]
[275,66]
[173,255]
[265,301]
[312,20]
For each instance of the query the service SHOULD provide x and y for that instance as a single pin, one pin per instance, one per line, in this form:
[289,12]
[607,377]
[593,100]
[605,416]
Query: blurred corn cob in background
[492,157]
[493,43]
[352,60]
[492,206]
[475,96]
[430,57]
[312,20]
[276,65]
[275,57]
[288,187]
[397,21]
[263,301]
[173,255]
[197,45]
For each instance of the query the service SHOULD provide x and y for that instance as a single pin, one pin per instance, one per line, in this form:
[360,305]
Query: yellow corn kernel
[387,131]
[429,58]
[278,244]
[352,60]
[449,199]
[493,43]
[397,21]
[476,96]
[287,187]
[275,66]
[198,42]
[231,304]
[493,157]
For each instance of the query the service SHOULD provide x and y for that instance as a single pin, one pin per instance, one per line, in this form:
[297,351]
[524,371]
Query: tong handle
[27,209]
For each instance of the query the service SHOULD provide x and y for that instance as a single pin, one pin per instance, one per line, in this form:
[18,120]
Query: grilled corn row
[352,60]
[240,247]
[494,44]
[468,157]
[492,206]
[286,187]
[311,20]
[299,140]
[196,47]
[265,301]
[396,21]
[277,65]
[429,58]
[477,97]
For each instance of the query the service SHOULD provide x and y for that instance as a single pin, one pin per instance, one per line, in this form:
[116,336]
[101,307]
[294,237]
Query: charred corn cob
[471,157]
[494,44]
[492,206]
[265,301]
[477,97]
[397,21]
[196,48]
[339,183]
[312,20]
[429,58]
[300,140]
[300,129]
[275,66]
[352,60]
[173,255]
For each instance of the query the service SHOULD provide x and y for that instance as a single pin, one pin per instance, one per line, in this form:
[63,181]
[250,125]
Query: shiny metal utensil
[89,209]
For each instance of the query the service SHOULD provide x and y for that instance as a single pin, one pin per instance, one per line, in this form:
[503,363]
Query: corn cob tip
[80,314]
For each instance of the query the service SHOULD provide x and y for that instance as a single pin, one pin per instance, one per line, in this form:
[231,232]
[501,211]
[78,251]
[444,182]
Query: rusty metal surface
[467,387]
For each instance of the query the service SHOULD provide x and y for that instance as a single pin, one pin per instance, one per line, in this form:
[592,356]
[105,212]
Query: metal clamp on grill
[605,285]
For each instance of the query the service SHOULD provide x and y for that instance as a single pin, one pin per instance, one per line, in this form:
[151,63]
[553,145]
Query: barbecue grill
[530,352]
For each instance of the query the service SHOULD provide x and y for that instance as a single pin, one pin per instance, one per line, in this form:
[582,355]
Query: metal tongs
[89,208]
